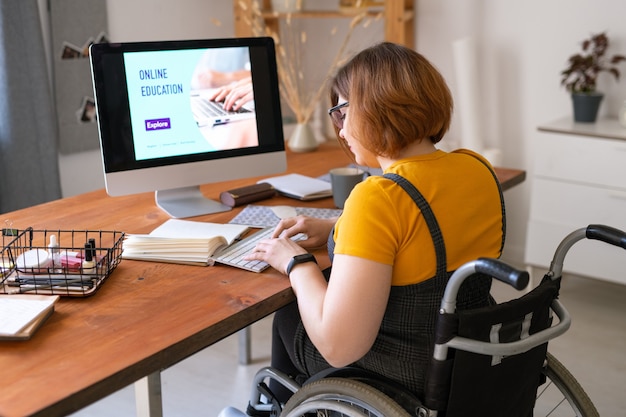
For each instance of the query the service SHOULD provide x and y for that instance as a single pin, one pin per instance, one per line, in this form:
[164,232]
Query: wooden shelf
[399,17]
[313,14]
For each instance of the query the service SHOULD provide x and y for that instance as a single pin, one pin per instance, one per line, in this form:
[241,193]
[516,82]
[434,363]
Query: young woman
[390,260]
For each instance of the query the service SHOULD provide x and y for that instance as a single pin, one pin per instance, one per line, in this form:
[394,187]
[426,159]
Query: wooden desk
[147,316]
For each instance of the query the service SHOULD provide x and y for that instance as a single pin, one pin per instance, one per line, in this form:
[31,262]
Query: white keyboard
[233,255]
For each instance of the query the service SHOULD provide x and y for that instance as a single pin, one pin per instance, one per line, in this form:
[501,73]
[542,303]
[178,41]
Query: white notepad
[18,312]
[300,186]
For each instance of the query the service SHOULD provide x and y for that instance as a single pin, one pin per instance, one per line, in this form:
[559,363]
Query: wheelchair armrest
[508,348]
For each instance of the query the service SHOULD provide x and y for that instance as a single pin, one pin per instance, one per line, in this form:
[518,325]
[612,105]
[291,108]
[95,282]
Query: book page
[17,312]
[182,241]
[146,247]
[187,229]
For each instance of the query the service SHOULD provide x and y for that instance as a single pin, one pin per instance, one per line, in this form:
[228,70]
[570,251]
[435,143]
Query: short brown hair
[396,97]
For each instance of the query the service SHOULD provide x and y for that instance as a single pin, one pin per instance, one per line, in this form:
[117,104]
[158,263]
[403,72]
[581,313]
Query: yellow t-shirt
[382,223]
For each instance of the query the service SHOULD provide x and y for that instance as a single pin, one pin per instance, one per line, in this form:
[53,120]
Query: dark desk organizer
[30,265]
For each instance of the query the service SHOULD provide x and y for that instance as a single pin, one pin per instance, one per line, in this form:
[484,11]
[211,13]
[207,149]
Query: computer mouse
[284,212]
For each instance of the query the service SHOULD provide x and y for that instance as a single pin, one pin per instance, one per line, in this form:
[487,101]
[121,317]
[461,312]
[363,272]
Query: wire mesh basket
[71,263]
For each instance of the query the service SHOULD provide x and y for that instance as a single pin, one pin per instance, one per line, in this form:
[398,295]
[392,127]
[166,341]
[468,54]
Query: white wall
[522,47]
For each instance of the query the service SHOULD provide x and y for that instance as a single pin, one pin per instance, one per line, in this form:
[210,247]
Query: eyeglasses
[337,115]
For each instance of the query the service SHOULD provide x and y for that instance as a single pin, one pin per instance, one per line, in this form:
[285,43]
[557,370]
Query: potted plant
[579,78]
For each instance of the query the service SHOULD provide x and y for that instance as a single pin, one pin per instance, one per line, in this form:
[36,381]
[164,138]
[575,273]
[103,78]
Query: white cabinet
[579,178]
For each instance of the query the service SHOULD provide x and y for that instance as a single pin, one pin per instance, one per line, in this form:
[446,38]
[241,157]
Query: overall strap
[429,216]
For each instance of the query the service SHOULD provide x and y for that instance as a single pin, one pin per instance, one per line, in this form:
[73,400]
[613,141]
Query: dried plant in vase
[291,44]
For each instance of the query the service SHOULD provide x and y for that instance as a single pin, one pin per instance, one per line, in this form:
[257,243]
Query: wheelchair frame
[357,393]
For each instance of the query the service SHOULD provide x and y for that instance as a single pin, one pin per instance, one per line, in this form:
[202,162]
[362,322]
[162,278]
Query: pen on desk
[66,286]
[59,282]
[47,278]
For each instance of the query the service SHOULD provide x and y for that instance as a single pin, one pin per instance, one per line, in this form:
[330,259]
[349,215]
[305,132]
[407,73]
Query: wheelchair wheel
[562,395]
[341,397]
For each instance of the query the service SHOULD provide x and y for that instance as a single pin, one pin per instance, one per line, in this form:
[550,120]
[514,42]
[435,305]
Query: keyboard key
[233,255]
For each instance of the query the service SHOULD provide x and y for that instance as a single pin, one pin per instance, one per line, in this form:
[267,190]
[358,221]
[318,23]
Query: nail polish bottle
[89,265]
[55,254]
[92,245]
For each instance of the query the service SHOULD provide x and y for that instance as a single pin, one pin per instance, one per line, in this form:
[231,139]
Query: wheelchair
[489,361]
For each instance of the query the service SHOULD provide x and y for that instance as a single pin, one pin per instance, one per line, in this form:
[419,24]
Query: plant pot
[586,106]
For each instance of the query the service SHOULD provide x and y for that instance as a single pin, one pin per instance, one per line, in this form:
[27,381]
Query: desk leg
[148,396]
[244,346]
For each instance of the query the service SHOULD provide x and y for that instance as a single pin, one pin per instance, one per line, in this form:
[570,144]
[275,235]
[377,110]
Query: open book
[22,314]
[182,241]
[300,186]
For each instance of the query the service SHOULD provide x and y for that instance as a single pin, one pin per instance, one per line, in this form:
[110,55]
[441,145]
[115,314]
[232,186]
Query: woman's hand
[317,230]
[276,251]
[234,95]
[279,250]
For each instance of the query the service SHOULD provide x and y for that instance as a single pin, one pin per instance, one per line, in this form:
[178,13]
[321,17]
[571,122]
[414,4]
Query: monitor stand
[187,202]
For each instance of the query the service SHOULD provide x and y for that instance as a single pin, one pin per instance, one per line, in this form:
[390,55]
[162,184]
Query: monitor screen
[162,128]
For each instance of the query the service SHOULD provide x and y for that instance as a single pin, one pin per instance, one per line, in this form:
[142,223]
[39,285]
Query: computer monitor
[152,100]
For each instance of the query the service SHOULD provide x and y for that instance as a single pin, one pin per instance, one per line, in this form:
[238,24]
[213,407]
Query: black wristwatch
[299,259]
